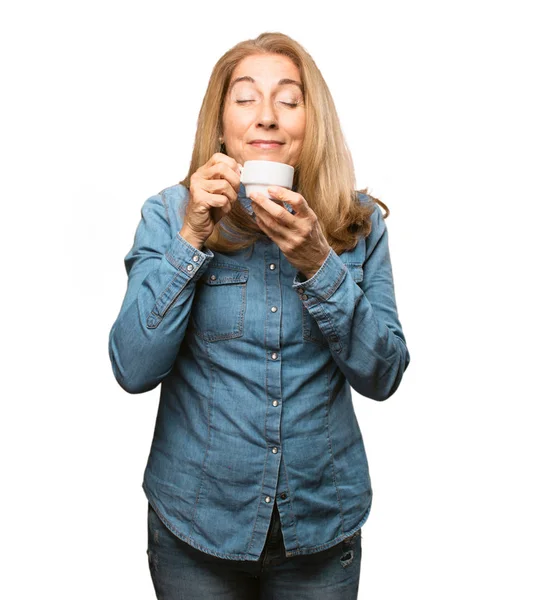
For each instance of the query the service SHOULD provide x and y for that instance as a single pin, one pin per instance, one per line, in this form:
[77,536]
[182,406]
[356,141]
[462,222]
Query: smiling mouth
[266,145]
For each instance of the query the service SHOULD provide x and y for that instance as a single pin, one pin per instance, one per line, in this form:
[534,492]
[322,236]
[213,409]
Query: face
[264,107]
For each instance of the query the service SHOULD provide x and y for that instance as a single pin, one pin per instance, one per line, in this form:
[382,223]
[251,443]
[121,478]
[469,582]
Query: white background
[444,106]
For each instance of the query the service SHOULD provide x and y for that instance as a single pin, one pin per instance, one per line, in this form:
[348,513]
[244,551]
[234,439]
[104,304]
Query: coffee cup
[258,175]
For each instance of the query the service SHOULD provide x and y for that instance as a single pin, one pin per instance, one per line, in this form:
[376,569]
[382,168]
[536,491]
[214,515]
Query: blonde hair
[324,174]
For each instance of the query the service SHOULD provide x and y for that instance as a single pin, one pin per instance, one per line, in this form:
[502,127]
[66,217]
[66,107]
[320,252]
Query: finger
[275,223]
[265,225]
[220,185]
[296,201]
[218,200]
[217,188]
[223,171]
[272,209]
[220,157]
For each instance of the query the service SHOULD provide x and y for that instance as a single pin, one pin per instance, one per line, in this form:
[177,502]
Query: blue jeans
[181,572]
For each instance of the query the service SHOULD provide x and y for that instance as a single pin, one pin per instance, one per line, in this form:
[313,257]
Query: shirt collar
[247,203]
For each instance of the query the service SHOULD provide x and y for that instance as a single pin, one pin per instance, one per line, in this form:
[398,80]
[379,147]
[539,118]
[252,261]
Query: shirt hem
[250,557]
[333,542]
[187,539]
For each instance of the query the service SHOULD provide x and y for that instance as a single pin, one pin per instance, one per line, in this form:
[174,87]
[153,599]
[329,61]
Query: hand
[299,235]
[213,190]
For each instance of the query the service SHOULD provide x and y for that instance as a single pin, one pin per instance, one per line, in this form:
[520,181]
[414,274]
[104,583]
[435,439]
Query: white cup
[258,175]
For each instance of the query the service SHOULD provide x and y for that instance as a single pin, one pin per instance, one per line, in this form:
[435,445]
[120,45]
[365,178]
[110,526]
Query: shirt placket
[273,323]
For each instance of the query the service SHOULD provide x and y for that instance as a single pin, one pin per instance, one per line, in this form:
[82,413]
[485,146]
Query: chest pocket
[310,329]
[219,303]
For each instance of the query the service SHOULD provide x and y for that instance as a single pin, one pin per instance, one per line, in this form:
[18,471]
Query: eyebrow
[281,82]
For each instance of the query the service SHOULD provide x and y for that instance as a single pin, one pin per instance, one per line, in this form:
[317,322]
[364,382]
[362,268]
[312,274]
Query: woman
[257,316]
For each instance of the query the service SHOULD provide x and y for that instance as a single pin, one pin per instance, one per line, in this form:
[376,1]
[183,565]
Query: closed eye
[293,104]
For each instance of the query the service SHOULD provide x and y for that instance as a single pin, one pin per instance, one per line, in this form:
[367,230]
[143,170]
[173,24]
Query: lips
[266,143]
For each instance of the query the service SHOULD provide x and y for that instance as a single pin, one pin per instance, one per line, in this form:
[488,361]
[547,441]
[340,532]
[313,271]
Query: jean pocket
[351,549]
[219,303]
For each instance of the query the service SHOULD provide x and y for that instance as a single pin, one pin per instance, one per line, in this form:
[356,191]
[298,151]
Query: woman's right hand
[213,190]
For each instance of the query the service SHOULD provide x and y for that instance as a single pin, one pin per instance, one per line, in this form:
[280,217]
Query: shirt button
[300,290]
[274,355]
[273,309]
[304,296]
[274,450]
[283,495]
[212,278]
[190,267]
[275,403]
[267,499]
[272,266]
[196,257]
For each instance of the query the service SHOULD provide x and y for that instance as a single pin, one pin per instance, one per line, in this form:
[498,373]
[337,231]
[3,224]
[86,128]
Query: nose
[267,116]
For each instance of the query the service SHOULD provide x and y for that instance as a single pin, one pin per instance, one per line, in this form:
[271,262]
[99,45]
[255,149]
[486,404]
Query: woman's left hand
[298,235]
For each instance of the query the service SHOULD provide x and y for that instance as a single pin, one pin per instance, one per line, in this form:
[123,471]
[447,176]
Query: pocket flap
[222,274]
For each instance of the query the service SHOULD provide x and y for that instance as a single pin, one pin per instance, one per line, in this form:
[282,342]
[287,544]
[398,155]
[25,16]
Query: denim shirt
[256,364]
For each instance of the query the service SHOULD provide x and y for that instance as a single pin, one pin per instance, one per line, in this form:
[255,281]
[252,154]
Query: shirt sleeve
[359,319]
[162,273]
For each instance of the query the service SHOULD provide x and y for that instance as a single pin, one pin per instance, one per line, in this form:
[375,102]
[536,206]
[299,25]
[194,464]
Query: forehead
[267,68]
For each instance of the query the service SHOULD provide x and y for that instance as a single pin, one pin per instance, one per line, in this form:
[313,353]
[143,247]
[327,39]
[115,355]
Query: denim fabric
[257,365]
[180,571]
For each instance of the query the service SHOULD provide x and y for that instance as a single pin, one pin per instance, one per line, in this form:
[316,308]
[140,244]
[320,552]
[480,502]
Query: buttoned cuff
[186,258]
[324,282]
[189,263]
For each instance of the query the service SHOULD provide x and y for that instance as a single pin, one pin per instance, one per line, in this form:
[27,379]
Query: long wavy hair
[324,174]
